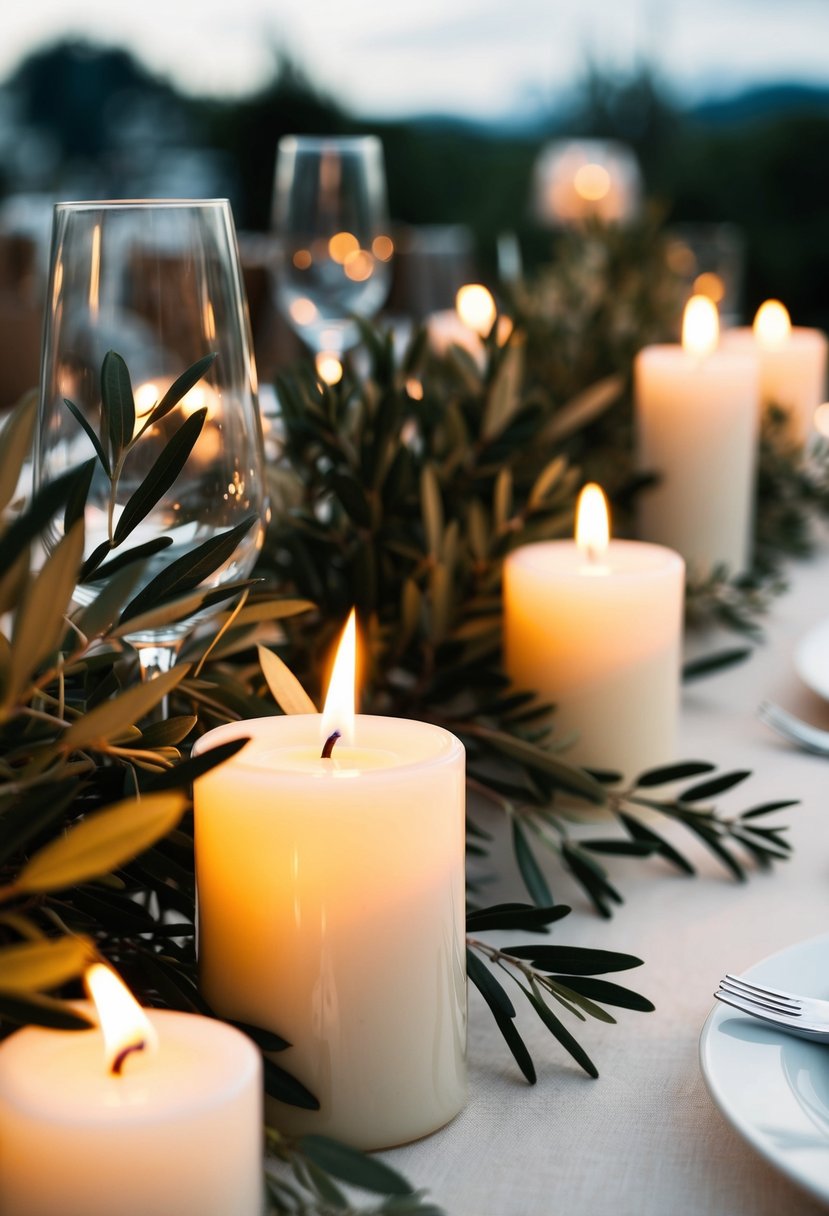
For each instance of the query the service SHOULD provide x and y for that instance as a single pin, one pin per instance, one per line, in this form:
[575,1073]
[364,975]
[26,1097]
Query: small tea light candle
[697,427]
[330,870]
[595,627]
[152,1111]
[792,364]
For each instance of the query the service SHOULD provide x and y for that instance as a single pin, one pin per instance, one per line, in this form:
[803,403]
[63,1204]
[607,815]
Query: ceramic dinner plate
[772,1087]
[811,659]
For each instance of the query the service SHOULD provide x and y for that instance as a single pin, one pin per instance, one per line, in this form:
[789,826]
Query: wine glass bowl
[330,217]
[159,283]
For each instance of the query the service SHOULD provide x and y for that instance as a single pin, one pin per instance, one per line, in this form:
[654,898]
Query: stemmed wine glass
[158,282]
[330,217]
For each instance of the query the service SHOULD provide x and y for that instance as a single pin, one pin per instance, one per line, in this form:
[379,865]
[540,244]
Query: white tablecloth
[645,1138]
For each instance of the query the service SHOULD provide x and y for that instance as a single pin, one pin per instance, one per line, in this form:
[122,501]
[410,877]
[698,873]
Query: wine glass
[158,282]
[331,221]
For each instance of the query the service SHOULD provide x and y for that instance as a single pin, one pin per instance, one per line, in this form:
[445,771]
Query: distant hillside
[761,103]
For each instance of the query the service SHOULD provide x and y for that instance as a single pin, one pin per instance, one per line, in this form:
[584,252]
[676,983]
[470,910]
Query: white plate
[811,659]
[772,1087]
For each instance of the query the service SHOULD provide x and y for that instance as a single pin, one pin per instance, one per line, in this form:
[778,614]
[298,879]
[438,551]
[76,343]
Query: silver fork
[804,1016]
[809,737]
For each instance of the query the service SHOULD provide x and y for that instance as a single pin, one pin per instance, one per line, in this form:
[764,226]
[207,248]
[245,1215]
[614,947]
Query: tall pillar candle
[331,910]
[596,629]
[177,1130]
[792,363]
[697,430]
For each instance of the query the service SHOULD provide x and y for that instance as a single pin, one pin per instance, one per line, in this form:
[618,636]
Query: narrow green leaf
[621,848]
[717,785]
[40,620]
[140,553]
[672,772]
[161,476]
[265,1040]
[767,808]
[178,389]
[432,508]
[117,402]
[566,776]
[46,963]
[96,619]
[86,425]
[76,503]
[35,1010]
[560,1031]
[186,572]
[284,687]
[607,992]
[353,1167]
[47,501]
[575,960]
[640,832]
[181,776]
[102,842]
[695,669]
[16,442]
[169,732]
[281,1085]
[108,720]
[514,916]
[486,983]
[531,872]
[502,1010]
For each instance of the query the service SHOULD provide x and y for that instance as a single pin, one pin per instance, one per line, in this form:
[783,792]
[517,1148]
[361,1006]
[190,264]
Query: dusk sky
[473,57]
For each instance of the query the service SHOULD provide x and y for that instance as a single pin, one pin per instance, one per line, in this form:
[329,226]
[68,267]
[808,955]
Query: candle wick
[118,1062]
[328,746]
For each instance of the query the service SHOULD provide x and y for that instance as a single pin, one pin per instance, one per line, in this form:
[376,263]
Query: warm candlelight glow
[338,712]
[772,326]
[591,182]
[700,326]
[341,244]
[329,368]
[821,419]
[592,522]
[382,247]
[124,1024]
[303,311]
[476,308]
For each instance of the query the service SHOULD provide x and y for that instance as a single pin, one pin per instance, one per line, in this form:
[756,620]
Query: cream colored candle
[179,1130]
[331,910]
[792,364]
[466,325]
[595,627]
[697,428]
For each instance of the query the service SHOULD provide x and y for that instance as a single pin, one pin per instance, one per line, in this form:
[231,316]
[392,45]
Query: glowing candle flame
[329,368]
[772,325]
[125,1026]
[592,522]
[340,701]
[700,326]
[591,182]
[476,308]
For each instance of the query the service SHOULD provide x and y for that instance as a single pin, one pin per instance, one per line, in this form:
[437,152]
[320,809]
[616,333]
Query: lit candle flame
[125,1026]
[772,325]
[591,182]
[592,522]
[476,308]
[700,326]
[338,711]
[329,368]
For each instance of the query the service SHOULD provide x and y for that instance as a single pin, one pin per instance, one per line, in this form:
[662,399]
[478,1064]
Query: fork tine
[784,1001]
[759,999]
[745,1005]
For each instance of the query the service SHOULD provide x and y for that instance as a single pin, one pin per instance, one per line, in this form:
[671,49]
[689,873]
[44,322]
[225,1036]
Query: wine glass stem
[155,660]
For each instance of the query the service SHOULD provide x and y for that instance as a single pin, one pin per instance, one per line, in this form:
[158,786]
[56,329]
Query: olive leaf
[285,688]
[16,441]
[101,843]
[48,963]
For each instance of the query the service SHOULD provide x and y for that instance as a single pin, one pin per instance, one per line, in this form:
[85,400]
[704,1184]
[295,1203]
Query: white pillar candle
[792,364]
[697,427]
[595,627]
[331,910]
[179,1130]
[467,324]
